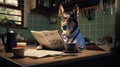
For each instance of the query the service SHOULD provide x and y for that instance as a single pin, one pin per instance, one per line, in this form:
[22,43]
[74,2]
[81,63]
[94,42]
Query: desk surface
[52,61]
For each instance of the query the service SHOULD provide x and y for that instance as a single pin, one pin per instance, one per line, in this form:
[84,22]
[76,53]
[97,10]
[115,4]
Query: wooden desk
[54,61]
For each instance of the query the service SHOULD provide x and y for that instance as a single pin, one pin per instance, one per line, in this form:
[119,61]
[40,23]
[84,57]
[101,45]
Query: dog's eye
[69,20]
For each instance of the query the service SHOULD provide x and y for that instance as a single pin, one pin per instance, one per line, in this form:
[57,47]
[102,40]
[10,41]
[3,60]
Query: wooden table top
[52,61]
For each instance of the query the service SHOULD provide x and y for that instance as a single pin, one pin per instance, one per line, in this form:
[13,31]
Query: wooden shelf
[16,27]
[9,6]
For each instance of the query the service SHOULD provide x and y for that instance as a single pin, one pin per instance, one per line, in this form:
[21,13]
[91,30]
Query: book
[50,39]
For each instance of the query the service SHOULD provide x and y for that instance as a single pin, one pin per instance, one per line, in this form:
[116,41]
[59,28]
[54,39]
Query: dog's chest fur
[76,37]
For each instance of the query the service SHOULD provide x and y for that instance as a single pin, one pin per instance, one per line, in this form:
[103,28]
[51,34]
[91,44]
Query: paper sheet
[41,53]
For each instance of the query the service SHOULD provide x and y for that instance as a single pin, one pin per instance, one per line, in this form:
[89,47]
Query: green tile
[109,21]
[93,38]
[99,20]
[80,26]
[100,26]
[93,21]
[108,27]
[98,37]
[99,13]
[107,32]
[93,27]
[93,33]
[100,33]
[86,27]
[86,33]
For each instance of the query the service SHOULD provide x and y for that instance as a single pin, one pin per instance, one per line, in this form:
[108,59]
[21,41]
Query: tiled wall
[37,22]
[102,25]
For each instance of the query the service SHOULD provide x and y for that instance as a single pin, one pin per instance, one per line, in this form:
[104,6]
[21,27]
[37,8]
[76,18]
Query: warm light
[12,2]
[21,44]
[1,1]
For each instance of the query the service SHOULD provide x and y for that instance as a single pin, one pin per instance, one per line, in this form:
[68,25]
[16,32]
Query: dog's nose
[64,27]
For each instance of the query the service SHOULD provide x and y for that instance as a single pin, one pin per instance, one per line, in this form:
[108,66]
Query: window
[12,2]
[11,10]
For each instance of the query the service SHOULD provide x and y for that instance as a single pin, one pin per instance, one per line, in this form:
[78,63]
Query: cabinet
[49,7]
[42,7]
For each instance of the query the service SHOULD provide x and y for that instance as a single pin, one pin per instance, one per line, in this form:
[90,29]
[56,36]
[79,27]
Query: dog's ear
[76,10]
[61,10]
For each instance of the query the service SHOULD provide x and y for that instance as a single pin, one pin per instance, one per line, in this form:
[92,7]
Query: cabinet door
[42,3]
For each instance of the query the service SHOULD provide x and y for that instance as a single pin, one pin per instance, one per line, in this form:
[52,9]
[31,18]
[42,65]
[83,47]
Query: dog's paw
[39,47]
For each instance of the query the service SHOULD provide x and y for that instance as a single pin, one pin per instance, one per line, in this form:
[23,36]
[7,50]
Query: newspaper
[33,53]
[41,53]
[50,39]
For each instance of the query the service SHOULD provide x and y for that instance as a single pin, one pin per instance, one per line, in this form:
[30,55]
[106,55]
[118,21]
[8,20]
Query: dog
[69,26]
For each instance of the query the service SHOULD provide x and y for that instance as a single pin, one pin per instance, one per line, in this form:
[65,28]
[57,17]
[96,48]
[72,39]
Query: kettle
[9,40]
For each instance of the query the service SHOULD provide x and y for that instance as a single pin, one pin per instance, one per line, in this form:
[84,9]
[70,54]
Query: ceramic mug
[18,52]
[70,46]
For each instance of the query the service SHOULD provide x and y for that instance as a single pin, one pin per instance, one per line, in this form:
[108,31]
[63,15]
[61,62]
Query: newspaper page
[41,53]
[50,39]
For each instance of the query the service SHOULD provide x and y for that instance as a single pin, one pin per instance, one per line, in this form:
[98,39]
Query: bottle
[2,49]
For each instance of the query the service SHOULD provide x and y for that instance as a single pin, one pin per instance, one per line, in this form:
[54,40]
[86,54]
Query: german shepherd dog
[69,25]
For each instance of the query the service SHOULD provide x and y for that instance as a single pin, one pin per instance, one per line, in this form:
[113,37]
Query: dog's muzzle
[64,27]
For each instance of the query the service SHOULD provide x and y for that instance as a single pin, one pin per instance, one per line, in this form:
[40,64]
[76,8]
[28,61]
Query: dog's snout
[64,27]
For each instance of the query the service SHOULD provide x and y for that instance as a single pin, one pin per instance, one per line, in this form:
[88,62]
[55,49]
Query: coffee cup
[70,46]
[18,52]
